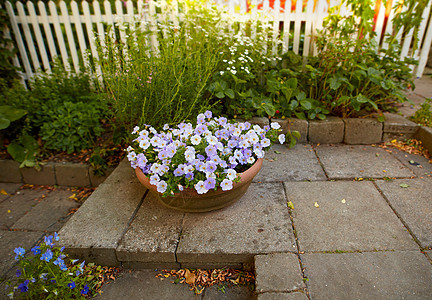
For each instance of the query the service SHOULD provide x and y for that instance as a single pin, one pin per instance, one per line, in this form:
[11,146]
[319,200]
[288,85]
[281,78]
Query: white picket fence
[42,34]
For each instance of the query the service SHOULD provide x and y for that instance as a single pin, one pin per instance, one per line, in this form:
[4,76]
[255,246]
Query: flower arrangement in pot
[203,167]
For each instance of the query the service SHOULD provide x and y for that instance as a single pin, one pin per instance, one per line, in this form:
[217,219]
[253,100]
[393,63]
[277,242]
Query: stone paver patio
[354,232]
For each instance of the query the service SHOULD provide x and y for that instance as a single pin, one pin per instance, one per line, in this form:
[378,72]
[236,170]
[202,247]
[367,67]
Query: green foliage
[423,115]
[24,149]
[8,72]
[9,114]
[71,126]
[151,86]
[48,273]
[349,77]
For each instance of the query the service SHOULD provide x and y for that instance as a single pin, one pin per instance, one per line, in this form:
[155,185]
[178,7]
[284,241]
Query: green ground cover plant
[46,272]
[423,115]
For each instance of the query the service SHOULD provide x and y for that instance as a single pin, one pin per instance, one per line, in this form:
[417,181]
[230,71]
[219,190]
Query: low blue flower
[47,256]
[18,273]
[63,267]
[71,285]
[19,252]
[43,276]
[33,280]
[81,266]
[77,273]
[48,241]
[62,249]
[56,237]
[36,250]
[58,261]
[24,286]
[85,290]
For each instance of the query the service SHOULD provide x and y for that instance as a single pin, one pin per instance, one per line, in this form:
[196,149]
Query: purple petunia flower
[208,114]
[210,183]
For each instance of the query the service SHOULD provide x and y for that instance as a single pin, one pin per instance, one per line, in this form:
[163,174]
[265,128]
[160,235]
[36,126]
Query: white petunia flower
[275,125]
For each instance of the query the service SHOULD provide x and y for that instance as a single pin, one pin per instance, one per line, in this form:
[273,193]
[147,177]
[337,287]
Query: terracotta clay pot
[190,201]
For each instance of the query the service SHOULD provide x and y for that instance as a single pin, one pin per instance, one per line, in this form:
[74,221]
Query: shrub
[148,86]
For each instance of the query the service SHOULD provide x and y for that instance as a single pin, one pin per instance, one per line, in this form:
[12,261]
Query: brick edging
[51,173]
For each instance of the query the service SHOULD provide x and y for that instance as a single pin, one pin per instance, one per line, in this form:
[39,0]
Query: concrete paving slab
[297,164]
[376,275]
[47,212]
[278,272]
[413,204]
[95,229]
[228,292]
[355,161]
[423,86]
[153,235]
[407,109]
[16,206]
[283,296]
[9,188]
[142,284]
[9,240]
[418,164]
[258,223]
[351,216]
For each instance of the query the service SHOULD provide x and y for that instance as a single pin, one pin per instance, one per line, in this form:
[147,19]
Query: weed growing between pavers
[199,279]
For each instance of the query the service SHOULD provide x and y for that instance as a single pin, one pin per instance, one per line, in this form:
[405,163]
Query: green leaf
[220,95]
[291,83]
[269,109]
[16,151]
[230,93]
[335,83]
[300,115]
[296,134]
[404,185]
[12,113]
[301,96]
[277,152]
[306,104]
[4,122]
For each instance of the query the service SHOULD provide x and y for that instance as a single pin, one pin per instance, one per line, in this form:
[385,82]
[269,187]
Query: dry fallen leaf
[3,192]
[190,277]
[316,204]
